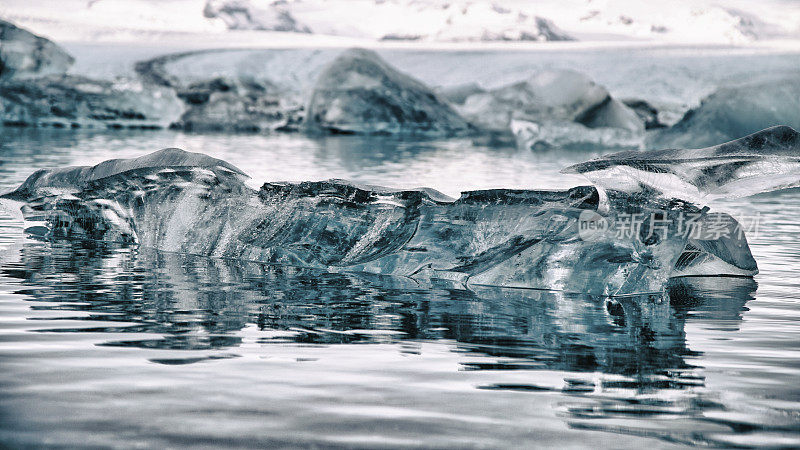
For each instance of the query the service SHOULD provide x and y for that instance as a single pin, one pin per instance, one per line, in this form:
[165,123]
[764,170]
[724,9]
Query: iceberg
[575,240]
[73,179]
[26,55]
[735,111]
[35,90]
[562,95]
[228,101]
[238,105]
[765,161]
[550,134]
[74,102]
[359,93]
[459,93]
[647,113]
[553,108]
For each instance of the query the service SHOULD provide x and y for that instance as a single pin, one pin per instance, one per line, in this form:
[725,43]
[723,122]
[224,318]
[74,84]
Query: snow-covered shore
[255,23]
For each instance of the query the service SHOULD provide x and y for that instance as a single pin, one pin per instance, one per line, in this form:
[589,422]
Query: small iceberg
[765,161]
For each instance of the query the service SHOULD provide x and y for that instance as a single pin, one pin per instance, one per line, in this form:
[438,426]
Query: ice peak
[45,181]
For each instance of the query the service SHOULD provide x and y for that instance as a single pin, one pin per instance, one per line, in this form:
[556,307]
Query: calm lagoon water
[132,347]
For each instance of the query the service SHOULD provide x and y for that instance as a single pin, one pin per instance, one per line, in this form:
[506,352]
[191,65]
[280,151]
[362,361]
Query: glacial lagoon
[111,346]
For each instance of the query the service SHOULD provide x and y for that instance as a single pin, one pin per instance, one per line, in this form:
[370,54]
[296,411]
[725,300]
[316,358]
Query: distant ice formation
[359,93]
[630,234]
[552,134]
[25,55]
[75,102]
[238,105]
[735,111]
[553,108]
[761,162]
[36,91]
[514,20]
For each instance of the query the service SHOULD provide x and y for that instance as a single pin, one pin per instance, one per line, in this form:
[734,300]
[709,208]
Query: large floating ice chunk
[561,95]
[359,93]
[762,162]
[35,90]
[514,238]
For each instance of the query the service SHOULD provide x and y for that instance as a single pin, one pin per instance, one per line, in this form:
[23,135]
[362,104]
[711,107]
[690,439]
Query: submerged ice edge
[584,239]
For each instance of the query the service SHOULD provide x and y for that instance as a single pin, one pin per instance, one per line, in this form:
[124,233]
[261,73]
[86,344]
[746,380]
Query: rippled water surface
[132,347]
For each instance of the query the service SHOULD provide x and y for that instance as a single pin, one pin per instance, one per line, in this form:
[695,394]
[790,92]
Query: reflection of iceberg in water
[201,303]
[640,336]
[183,202]
[603,359]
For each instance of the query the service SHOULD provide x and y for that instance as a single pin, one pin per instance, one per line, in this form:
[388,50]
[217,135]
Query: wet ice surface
[124,347]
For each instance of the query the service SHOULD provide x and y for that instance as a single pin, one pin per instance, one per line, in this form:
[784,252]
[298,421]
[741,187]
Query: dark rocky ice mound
[561,95]
[359,93]
[582,239]
[26,55]
[647,113]
[236,105]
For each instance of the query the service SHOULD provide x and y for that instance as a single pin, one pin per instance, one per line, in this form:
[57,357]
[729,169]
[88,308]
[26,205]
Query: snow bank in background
[103,20]
[467,20]
[242,15]
[388,20]
[681,21]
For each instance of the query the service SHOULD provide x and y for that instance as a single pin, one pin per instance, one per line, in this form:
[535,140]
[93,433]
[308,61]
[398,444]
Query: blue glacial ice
[731,112]
[359,93]
[765,161]
[606,241]
[24,55]
[553,108]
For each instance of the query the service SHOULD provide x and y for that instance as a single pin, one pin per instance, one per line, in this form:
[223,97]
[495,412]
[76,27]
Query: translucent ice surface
[761,162]
[190,203]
